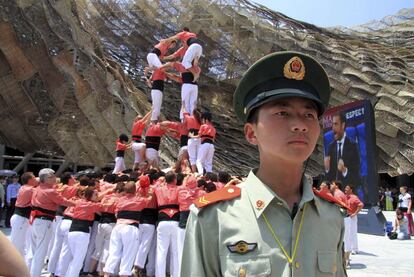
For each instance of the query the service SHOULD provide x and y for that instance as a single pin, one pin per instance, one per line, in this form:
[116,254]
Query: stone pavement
[378,256]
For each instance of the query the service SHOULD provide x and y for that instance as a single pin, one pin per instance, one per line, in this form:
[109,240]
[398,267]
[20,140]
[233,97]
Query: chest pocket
[327,263]
[245,266]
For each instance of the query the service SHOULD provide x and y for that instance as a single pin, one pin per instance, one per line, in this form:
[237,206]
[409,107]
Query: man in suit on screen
[342,161]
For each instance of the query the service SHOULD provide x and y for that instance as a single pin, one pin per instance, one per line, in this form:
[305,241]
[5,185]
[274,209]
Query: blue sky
[328,13]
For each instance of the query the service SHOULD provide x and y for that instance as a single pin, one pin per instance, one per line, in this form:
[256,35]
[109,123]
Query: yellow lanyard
[290,259]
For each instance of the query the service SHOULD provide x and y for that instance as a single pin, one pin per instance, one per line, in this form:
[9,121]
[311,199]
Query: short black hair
[253,116]
[210,186]
[133,176]
[110,178]
[123,137]
[342,117]
[65,178]
[26,177]
[180,178]
[224,177]
[201,183]
[339,184]
[170,177]
[210,176]
[207,116]
[186,29]
[352,187]
[84,181]
[122,178]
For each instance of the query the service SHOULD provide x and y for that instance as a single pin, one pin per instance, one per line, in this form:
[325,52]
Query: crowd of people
[104,223]
[346,195]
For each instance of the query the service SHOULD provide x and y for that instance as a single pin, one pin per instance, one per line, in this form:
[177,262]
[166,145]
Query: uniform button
[260,204]
[242,272]
[297,265]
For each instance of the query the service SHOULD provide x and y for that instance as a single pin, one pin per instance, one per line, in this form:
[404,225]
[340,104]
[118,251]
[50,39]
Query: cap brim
[284,93]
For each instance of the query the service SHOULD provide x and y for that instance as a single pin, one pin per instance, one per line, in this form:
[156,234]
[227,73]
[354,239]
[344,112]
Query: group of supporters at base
[196,135]
[107,224]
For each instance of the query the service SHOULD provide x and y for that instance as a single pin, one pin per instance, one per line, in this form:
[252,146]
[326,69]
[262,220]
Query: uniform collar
[260,195]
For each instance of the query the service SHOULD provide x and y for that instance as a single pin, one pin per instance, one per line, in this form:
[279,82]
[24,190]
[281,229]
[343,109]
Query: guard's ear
[250,133]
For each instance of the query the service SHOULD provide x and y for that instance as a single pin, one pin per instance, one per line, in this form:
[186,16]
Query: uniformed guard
[272,224]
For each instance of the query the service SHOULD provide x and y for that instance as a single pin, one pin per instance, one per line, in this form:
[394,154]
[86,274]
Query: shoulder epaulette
[222,194]
[329,197]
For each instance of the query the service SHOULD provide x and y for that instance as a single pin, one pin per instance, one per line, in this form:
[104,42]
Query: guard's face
[338,127]
[286,130]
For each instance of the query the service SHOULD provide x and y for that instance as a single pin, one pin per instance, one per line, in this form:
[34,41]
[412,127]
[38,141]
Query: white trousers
[153,157]
[351,234]
[123,248]
[102,242]
[193,146]
[156,97]
[57,221]
[65,255]
[137,148]
[40,238]
[57,247]
[91,246]
[150,266]
[193,52]
[146,240]
[153,60]
[19,227]
[119,165]
[78,244]
[166,238]
[180,245]
[189,94]
[205,157]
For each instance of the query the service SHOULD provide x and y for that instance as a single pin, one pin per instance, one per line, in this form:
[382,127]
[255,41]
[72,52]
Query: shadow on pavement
[357,266]
[365,254]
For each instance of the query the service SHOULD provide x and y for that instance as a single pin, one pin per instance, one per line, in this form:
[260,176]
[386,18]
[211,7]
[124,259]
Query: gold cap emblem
[294,69]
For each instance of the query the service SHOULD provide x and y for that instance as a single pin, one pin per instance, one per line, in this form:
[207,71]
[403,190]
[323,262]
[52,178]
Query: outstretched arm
[174,77]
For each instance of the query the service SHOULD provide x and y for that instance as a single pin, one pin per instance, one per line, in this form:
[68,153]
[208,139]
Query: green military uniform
[256,233]
[213,229]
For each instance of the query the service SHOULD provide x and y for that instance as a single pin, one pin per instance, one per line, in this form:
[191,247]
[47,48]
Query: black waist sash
[158,84]
[156,51]
[183,140]
[25,212]
[107,218]
[60,210]
[136,138]
[149,216]
[120,153]
[164,217]
[183,219]
[207,139]
[193,40]
[49,212]
[80,225]
[153,142]
[134,215]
